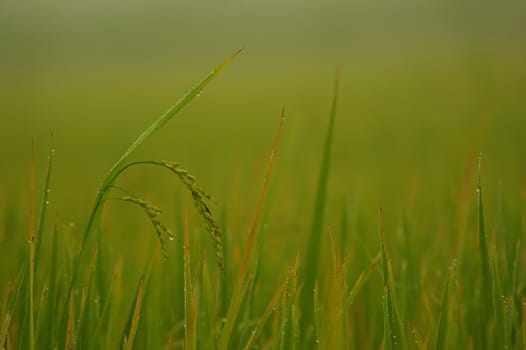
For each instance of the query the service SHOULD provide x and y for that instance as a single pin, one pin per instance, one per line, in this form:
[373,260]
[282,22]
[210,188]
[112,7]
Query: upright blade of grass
[314,242]
[316,312]
[128,337]
[441,335]
[395,338]
[209,299]
[388,332]
[53,292]
[501,340]
[3,330]
[286,338]
[41,311]
[254,280]
[84,332]
[13,300]
[225,285]
[344,229]
[70,339]
[240,288]
[284,315]
[515,271]
[486,285]
[114,302]
[190,341]
[523,316]
[31,242]
[45,202]
[335,328]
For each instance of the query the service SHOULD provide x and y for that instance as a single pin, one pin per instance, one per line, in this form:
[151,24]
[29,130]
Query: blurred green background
[426,86]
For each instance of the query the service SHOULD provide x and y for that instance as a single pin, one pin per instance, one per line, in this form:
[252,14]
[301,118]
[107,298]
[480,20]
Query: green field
[390,217]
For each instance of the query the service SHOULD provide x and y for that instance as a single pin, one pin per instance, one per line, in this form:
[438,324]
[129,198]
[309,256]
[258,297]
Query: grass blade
[313,249]
[3,330]
[485,278]
[523,319]
[45,202]
[53,292]
[393,336]
[441,336]
[13,300]
[31,242]
[316,313]
[190,306]
[209,299]
[286,338]
[388,332]
[499,305]
[70,339]
[133,320]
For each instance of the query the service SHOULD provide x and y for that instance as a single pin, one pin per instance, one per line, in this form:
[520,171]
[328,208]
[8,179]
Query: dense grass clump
[348,282]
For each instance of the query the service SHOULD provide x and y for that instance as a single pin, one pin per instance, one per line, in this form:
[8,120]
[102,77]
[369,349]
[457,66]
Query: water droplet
[171,238]
[199,94]
[48,190]
[52,150]
[47,202]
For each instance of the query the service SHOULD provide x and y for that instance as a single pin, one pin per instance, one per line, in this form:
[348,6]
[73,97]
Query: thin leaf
[31,242]
[501,339]
[486,285]
[314,242]
[13,300]
[190,341]
[133,320]
[388,332]
[441,335]
[70,330]
[316,312]
[395,337]
[45,202]
[523,317]
[3,331]
[53,291]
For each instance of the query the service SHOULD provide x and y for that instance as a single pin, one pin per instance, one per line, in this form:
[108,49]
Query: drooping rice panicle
[153,213]
[201,199]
